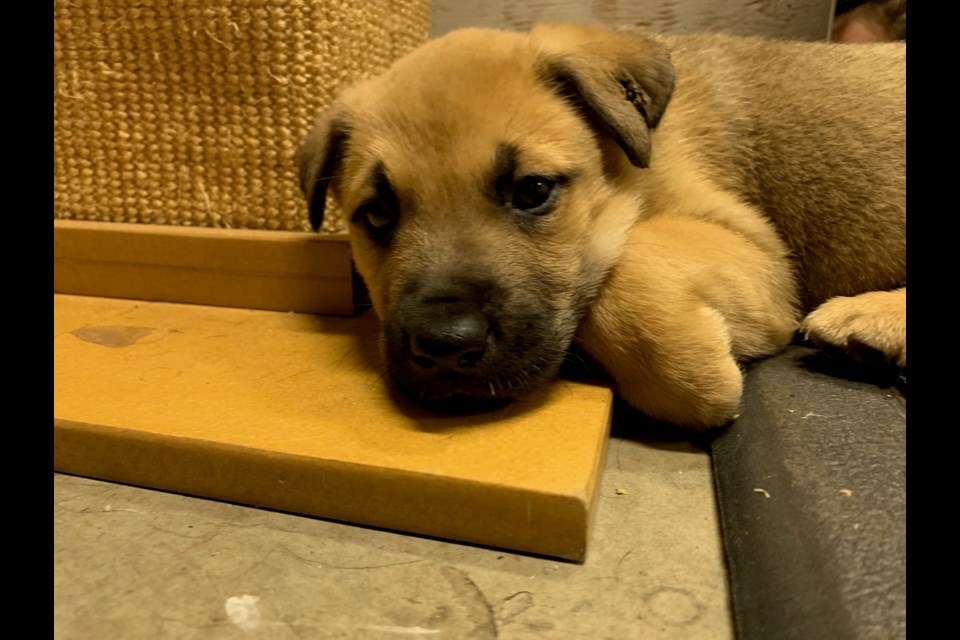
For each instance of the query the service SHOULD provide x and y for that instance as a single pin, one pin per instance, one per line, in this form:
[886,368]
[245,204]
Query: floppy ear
[621,80]
[319,160]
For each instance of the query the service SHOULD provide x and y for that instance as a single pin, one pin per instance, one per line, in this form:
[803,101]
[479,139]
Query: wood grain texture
[794,19]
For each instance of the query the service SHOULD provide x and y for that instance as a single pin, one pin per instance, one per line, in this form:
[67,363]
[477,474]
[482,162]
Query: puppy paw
[696,384]
[869,327]
[705,400]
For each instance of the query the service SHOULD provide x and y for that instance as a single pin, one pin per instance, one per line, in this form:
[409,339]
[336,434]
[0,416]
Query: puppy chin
[458,395]
[497,381]
[451,402]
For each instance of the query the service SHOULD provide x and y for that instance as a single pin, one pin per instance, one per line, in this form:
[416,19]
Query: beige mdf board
[272,270]
[290,412]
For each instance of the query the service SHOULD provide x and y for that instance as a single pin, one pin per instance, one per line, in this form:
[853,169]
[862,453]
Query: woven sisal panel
[190,112]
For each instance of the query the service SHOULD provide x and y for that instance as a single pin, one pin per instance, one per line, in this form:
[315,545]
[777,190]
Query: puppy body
[682,200]
[794,153]
[811,136]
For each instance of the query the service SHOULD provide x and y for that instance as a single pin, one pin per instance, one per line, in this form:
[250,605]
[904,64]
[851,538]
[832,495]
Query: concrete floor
[136,563]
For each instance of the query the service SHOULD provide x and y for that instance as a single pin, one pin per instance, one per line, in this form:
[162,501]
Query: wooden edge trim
[270,270]
[553,525]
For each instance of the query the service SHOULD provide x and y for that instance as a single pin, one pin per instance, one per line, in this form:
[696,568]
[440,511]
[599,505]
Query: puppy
[676,205]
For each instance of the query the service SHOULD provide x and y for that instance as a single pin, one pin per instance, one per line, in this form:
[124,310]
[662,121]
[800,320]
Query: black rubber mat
[811,483]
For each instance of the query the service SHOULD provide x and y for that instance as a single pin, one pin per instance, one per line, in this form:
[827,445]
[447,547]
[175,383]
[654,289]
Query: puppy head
[480,215]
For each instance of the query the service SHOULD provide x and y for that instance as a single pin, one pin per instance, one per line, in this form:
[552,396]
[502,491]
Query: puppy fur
[677,205]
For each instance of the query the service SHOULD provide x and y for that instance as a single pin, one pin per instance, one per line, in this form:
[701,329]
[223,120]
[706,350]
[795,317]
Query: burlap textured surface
[190,112]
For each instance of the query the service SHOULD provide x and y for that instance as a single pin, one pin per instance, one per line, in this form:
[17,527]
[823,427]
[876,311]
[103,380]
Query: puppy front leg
[687,300]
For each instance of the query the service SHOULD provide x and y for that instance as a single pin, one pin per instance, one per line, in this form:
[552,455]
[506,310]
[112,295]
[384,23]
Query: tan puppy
[676,203]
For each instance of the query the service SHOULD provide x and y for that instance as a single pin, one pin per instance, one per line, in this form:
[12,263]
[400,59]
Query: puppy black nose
[450,335]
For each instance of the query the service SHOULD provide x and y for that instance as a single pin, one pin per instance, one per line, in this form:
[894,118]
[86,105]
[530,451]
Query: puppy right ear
[621,81]
[318,161]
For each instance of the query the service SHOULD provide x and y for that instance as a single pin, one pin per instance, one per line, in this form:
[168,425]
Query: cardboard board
[290,412]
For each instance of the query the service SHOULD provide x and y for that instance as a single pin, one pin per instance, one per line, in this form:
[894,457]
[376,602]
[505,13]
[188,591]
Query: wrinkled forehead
[453,104]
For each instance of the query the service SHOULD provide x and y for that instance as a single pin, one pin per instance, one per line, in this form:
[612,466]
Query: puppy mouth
[462,404]
[454,393]
[468,376]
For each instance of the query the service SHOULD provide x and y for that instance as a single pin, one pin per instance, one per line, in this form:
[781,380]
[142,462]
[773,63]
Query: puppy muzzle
[449,336]
[442,347]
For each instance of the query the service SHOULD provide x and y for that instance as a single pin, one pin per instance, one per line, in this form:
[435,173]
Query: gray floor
[136,563]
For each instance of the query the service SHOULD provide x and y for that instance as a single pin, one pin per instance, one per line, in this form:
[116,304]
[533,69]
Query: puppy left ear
[622,80]
[319,159]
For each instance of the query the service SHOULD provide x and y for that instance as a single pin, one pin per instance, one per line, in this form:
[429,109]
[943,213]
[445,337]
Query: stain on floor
[112,336]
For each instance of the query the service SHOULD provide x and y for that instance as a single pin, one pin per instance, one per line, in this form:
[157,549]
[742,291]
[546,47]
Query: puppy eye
[534,194]
[375,217]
